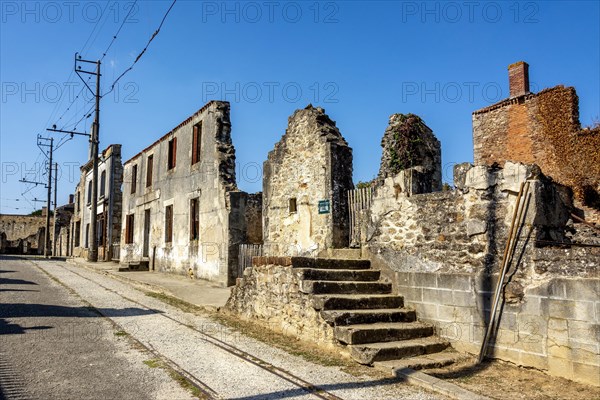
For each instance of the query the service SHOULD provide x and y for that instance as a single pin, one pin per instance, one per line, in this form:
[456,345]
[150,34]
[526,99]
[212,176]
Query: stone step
[369,353]
[427,361]
[339,274]
[329,263]
[346,254]
[356,301]
[349,317]
[381,332]
[333,287]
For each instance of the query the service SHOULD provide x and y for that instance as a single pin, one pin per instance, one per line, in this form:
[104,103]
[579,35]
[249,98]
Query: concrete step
[349,317]
[382,332]
[329,263]
[427,361]
[356,301]
[134,266]
[339,274]
[384,351]
[332,287]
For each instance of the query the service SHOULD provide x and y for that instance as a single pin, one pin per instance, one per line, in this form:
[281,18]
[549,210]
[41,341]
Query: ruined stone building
[305,183]
[61,238]
[182,211]
[22,234]
[418,291]
[110,178]
[541,128]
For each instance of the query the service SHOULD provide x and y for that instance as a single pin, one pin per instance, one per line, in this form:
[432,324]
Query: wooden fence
[246,252]
[359,200]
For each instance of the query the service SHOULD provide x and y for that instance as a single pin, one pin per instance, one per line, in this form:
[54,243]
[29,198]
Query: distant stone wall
[542,128]
[22,233]
[312,163]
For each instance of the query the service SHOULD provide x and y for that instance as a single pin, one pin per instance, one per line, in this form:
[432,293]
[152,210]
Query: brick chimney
[518,78]
[71,198]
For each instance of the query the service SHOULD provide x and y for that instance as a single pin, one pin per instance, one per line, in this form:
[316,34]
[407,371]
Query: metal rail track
[203,387]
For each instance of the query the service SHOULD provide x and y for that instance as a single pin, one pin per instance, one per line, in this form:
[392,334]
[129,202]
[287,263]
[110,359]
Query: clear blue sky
[361,61]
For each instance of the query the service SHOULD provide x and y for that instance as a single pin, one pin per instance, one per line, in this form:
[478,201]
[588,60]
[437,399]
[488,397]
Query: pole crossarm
[35,183]
[69,132]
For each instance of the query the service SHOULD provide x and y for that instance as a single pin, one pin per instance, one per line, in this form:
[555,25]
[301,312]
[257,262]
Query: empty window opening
[196,143]
[292,205]
[172,159]
[194,219]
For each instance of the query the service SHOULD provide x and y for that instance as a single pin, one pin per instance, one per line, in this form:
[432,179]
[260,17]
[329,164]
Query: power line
[114,38]
[118,30]
[112,87]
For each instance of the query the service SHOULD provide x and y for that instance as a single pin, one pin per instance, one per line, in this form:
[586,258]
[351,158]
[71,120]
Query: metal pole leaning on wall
[510,243]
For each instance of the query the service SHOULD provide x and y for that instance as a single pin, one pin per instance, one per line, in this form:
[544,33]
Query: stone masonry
[22,234]
[311,166]
[443,250]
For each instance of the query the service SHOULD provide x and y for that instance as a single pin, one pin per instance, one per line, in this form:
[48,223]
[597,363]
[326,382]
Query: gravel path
[52,346]
[218,360]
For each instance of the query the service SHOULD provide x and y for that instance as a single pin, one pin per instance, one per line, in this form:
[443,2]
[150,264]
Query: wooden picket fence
[359,200]
[245,254]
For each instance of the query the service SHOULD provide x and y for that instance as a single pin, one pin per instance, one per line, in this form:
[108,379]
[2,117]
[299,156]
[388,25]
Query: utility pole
[41,143]
[94,141]
[55,205]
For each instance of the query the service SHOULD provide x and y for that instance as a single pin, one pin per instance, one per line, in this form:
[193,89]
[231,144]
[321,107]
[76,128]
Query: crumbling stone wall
[311,163]
[443,252]
[408,143]
[21,233]
[253,218]
[210,181]
[270,293]
[542,128]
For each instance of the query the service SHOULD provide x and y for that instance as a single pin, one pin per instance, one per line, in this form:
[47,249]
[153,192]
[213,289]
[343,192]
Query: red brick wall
[544,129]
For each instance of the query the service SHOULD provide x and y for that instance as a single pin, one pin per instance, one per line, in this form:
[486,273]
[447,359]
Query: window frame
[129,225]
[195,219]
[172,154]
[149,170]
[196,142]
[134,171]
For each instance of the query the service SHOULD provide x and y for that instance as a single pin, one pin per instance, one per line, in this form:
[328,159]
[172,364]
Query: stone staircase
[367,318]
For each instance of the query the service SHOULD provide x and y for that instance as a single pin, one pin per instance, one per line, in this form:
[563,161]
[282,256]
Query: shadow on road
[7,281]
[24,310]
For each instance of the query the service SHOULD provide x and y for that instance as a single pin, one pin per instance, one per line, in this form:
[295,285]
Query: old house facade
[110,178]
[182,211]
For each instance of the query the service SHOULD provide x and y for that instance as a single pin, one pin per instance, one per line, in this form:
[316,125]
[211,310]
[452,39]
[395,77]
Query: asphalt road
[58,341]
[52,346]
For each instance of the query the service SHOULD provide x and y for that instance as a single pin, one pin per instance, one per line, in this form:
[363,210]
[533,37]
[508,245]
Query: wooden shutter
[174,151]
